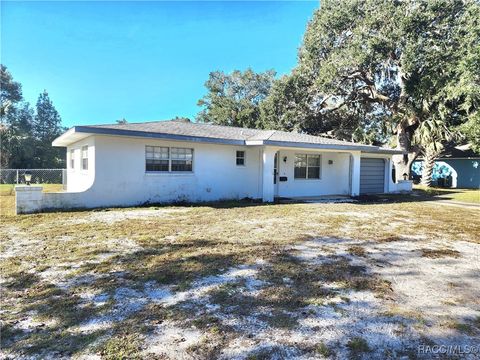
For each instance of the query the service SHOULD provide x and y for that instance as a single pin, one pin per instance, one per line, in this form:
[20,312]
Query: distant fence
[39,176]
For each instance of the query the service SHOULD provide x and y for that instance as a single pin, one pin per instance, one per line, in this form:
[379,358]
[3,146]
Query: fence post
[64,179]
[17,176]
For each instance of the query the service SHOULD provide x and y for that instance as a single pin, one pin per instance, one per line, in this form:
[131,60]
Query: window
[181,159]
[72,159]
[307,166]
[240,158]
[158,158]
[85,157]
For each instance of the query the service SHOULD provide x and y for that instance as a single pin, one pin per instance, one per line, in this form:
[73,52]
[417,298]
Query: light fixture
[28,177]
[284,159]
[405,176]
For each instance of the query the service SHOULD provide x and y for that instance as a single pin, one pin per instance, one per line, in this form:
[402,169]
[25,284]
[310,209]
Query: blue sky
[102,61]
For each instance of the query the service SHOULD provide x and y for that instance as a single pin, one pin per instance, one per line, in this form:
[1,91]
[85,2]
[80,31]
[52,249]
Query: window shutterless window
[181,159]
[307,166]
[240,160]
[72,159]
[85,157]
[159,158]
[156,158]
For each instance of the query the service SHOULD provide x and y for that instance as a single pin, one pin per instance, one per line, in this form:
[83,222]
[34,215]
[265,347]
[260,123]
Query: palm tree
[431,136]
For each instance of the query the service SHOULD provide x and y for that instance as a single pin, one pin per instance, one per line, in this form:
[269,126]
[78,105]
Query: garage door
[372,176]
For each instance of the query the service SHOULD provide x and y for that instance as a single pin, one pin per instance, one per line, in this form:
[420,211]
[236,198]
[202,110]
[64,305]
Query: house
[177,160]
[456,167]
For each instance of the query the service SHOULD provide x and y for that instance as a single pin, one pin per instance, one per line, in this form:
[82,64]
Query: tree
[10,91]
[17,142]
[431,136]
[290,106]
[25,135]
[471,131]
[234,99]
[46,127]
[10,96]
[391,65]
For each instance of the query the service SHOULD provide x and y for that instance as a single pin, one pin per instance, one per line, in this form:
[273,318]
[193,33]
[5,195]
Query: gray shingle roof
[184,129]
[187,128]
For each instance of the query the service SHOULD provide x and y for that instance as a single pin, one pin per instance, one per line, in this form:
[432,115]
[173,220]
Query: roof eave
[69,138]
[362,148]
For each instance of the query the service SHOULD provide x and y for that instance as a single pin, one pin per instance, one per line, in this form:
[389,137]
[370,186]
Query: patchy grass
[358,346]
[440,253]
[461,327]
[461,195]
[122,347]
[356,250]
[323,350]
[224,279]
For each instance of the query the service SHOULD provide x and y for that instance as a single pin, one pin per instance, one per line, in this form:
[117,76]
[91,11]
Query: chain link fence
[39,176]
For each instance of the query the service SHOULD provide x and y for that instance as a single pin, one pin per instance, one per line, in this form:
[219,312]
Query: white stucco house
[177,160]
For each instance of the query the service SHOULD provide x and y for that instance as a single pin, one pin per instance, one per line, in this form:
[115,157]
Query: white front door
[276,171]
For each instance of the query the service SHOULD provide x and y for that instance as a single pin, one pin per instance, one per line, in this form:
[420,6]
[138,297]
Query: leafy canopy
[234,99]
[26,134]
[384,67]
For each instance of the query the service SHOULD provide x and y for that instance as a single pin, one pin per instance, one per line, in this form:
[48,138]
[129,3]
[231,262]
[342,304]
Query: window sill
[307,179]
[169,173]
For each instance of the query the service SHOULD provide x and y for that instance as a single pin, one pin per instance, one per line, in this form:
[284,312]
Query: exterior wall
[468,172]
[116,175]
[28,199]
[120,173]
[403,186]
[77,178]
[334,178]
[465,173]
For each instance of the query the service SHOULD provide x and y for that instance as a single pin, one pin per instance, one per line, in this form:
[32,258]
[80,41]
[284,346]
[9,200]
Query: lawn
[461,195]
[240,280]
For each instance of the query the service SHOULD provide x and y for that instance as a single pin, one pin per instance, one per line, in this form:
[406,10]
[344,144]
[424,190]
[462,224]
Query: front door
[275,174]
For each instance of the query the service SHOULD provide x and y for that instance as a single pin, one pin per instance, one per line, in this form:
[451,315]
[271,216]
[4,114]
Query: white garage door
[372,176]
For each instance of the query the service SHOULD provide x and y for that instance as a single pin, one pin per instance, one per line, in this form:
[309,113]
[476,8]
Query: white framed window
[181,159]
[157,158]
[240,158]
[307,166]
[165,159]
[72,159]
[85,157]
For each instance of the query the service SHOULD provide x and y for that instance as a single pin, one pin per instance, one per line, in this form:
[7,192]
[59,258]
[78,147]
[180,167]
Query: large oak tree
[386,67]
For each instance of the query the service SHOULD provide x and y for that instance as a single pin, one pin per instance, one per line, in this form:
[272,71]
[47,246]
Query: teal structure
[464,162]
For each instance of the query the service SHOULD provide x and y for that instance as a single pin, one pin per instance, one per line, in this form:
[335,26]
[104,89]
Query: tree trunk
[428,163]
[404,131]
